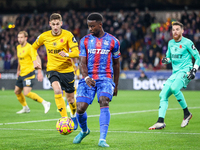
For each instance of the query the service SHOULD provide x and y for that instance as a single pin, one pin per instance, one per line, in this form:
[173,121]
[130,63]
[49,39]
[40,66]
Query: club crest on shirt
[54,43]
[61,40]
[106,42]
[193,47]
[74,39]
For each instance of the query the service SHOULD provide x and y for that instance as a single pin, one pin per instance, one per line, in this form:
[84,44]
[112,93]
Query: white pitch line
[121,113]
[130,132]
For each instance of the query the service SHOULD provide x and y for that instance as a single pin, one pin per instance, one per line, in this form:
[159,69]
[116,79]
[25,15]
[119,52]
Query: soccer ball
[65,126]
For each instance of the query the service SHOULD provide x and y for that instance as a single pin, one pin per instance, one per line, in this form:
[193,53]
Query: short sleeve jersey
[25,59]
[54,44]
[100,53]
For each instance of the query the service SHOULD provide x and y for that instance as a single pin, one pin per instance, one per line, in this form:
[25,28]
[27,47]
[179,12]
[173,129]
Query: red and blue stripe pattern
[100,53]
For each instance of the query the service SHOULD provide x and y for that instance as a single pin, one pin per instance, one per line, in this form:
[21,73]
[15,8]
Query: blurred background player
[99,56]
[180,52]
[60,71]
[26,75]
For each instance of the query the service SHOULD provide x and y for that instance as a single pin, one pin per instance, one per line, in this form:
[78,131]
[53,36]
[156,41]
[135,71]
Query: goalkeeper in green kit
[179,53]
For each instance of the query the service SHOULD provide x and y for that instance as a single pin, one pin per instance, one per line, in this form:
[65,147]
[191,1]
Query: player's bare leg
[60,103]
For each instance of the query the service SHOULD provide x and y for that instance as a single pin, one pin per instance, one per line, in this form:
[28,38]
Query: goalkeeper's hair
[55,16]
[95,17]
[177,23]
[23,32]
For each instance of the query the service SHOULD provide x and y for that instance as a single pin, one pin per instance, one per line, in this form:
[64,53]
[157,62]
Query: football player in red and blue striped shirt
[99,62]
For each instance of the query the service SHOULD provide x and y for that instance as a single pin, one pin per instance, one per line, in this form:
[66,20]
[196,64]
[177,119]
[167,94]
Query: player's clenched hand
[191,74]
[36,64]
[40,76]
[63,54]
[115,91]
[18,72]
[90,81]
[164,60]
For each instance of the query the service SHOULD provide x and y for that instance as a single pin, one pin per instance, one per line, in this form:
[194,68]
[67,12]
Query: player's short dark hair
[95,17]
[23,32]
[177,23]
[55,16]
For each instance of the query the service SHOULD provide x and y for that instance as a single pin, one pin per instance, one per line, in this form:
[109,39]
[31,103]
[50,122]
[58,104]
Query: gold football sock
[73,107]
[35,97]
[21,99]
[60,103]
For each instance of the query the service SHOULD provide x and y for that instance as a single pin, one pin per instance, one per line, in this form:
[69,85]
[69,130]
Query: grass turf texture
[132,113]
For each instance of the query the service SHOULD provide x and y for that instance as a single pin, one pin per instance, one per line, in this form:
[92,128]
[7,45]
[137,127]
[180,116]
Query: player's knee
[162,96]
[57,91]
[80,110]
[26,93]
[104,101]
[17,92]
[174,90]
[81,107]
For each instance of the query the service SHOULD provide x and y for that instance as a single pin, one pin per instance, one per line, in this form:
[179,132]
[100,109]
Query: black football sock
[160,120]
[186,112]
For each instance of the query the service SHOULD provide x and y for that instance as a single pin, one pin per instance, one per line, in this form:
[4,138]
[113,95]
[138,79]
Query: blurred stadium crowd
[142,36]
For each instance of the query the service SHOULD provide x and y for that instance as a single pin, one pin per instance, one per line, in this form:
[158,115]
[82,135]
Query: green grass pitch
[132,112]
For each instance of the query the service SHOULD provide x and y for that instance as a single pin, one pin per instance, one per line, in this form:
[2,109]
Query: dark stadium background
[143,28]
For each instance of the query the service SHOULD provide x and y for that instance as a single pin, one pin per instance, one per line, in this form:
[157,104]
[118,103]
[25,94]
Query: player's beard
[177,38]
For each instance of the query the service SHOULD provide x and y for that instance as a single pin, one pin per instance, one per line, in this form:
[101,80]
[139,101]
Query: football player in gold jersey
[61,46]
[26,75]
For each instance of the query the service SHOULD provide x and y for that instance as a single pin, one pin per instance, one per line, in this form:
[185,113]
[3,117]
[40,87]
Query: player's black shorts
[26,81]
[66,80]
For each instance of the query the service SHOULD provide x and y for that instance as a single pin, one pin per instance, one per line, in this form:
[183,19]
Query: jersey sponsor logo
[98,51]
[21,58]
[74,39]
[55,51]
[179,56]
[193,47]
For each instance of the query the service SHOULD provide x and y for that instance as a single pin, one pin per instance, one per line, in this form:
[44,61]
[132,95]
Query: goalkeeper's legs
[164,94]
[175,88]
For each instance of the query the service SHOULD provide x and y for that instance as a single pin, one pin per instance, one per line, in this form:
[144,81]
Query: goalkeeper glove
[191,74]
[164,60]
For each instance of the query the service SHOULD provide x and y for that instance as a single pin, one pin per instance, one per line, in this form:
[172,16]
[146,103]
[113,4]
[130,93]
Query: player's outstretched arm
[84,70]
[116,66]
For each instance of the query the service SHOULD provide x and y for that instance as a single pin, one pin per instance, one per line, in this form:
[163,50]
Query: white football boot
[157,125]
[186,121]
[25,109]
[46,107]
